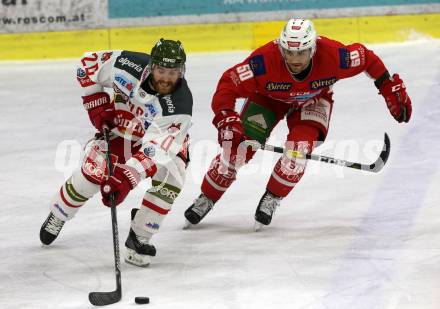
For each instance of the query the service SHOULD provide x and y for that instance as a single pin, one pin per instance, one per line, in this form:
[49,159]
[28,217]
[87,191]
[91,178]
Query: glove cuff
[131,175]
[384,77]
[94,100]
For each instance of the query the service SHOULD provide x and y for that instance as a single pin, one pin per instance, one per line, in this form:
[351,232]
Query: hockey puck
[141,300]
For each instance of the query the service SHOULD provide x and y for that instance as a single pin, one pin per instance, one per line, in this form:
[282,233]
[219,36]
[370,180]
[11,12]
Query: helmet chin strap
[312,52]
[182,71]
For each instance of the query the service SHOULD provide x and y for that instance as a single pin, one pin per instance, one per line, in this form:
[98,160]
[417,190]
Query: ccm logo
[227,120]
[398,87]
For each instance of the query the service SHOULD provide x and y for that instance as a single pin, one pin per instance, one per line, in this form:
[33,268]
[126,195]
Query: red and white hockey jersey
[159,122]
[265,72]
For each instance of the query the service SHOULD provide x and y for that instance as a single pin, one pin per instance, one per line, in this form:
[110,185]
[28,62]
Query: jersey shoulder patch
[257,65]
[344,58]
[180,102]
[132,62]
[124,83]
[352,58]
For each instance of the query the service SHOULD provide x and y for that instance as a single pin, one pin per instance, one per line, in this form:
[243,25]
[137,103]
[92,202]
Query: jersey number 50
[244,72]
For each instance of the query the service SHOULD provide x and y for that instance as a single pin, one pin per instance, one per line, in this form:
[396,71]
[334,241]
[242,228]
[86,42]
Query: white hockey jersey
[159,122]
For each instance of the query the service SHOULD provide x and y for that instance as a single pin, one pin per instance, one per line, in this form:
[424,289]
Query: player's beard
[163,87]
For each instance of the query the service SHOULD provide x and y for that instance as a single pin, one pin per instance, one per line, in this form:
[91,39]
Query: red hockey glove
[100,110]
[123,180]
[228,124]
[398,102]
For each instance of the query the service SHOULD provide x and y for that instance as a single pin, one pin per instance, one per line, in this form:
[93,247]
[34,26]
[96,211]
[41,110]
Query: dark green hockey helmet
[168,54]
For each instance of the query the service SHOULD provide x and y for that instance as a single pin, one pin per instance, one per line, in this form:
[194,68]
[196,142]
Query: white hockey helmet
[298,34]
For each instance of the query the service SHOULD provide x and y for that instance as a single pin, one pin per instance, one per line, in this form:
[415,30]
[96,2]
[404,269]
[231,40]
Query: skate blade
[140,260]
[258,226]
[187,225]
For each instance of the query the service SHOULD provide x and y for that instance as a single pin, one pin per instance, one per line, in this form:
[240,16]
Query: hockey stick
[107,298]
[374,167]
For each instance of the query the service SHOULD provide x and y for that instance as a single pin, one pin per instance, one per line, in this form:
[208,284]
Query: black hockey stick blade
[383,156]
[374,167]
[104,298]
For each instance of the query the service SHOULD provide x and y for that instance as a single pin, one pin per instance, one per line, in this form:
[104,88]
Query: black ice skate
[198,210]
[50,229]
[265,210]
[138,250]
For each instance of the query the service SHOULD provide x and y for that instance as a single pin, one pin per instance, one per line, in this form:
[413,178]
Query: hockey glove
[123,180]
[398,102]
[100,110]
[229,126]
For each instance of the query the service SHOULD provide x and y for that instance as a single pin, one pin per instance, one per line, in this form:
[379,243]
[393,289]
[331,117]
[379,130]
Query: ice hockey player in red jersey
[149,117]
[292,78]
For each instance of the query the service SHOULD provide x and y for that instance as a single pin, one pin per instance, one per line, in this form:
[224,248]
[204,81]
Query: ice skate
[50,229]
[265,210]
[197,211]
[138,250]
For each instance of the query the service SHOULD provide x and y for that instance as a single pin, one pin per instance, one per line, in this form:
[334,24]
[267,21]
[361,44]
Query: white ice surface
[343,239]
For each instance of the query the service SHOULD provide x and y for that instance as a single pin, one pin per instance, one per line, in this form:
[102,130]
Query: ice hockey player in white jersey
[149,116]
